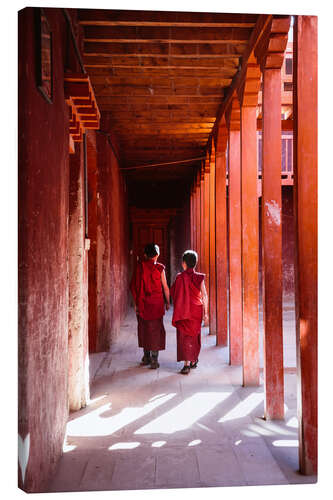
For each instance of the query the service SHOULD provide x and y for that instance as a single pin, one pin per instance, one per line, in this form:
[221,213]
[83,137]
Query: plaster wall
[108,230]
[43,181]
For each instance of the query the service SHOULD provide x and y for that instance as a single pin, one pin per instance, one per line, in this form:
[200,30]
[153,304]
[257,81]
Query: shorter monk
[150,293]
[190,307]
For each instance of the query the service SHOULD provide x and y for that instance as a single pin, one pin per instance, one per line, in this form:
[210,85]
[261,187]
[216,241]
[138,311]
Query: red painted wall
[108,230]
[43,247]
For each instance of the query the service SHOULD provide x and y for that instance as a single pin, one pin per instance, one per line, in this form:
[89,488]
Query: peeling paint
[273,212]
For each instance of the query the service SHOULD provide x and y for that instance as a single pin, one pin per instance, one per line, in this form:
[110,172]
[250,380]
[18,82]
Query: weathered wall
[108,230]
[78,359]
[43,248]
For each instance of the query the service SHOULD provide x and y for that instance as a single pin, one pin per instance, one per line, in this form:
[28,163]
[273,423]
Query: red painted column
[305,189]
[194,211]
[250,246]
[191,216]
[235,247]
[272,244]
[212,245]
[206,229]
[198,236]
[221,238]
[202,218]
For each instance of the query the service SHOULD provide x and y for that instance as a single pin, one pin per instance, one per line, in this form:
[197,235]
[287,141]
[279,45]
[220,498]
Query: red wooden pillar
[202,218]
[272,244]
[191,216]
[250,230]
[197,204]
[305,178]
[221,237]
[271,59]
[212,245]
[235,237]
[206,226]
[194,214]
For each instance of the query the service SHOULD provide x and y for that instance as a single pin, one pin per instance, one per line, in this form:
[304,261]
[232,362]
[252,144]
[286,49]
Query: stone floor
[157,429]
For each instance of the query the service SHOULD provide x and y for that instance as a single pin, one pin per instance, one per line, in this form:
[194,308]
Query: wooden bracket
[83,110]
[270,49]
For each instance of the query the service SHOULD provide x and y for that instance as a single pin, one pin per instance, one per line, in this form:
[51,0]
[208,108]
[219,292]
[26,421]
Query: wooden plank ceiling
[161,77]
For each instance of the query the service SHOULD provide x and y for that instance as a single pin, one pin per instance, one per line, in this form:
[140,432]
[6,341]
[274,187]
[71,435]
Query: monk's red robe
[146,288]
[187,314]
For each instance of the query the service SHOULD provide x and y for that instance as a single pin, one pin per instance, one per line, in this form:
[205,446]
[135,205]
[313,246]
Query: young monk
[147,286]
[190,307]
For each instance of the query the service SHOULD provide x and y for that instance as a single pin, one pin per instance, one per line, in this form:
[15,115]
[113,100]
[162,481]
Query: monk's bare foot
[195,364]
[185,370]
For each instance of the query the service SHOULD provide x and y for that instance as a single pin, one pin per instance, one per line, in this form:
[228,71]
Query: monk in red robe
[190,308]
[150,292]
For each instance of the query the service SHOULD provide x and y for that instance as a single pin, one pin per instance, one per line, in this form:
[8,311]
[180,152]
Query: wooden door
[144,234]
[151,226]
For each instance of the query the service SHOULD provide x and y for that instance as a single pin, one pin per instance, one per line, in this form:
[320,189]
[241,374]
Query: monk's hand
[206,320]
[167,306]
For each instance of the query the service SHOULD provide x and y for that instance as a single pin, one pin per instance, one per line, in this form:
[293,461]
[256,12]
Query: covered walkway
[148,429]
[189,130]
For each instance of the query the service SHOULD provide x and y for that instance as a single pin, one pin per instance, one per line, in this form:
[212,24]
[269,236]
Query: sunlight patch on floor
[195,442]
[244,408]
[124,446]
[158,444]
[289,443]
[185,414]
[96,424]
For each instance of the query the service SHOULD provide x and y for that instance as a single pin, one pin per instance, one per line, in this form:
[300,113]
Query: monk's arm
[204,300]
[166,290]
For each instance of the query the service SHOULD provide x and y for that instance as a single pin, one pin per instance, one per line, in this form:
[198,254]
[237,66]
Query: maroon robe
[146,288]
[187,314]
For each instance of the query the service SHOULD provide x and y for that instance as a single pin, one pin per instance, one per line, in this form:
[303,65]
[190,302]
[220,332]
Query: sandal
[154,364]
[185,370]
[195,364]
[145,361]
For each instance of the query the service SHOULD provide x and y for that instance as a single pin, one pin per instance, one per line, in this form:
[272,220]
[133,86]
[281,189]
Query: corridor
[189,130]
[157,429]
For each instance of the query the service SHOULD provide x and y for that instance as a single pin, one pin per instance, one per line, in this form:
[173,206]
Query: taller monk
[190,306]
[151,296]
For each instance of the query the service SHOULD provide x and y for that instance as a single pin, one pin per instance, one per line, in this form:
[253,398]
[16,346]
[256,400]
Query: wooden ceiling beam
[164,49]
[188,34]
[158,72]
[205,102]
[227,67]
[157,81]
[142,17]
[261,25]
[165,125]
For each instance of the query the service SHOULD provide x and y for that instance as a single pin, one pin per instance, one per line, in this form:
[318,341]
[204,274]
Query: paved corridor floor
[146,429]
